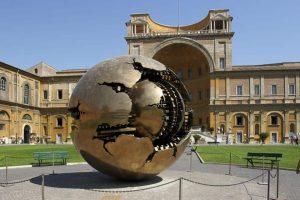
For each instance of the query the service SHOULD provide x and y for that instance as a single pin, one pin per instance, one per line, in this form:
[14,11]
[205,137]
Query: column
[297,86]
[227,87]
[223,25]
[285,126]
[210,26]
[217,88]
[212,89]
[227,26]
[297,121]
[251,125]
[286,87]
[251,87]
[262,87]
[263,122]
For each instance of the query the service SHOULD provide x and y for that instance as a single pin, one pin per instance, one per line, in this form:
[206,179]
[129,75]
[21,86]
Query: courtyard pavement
[83,182]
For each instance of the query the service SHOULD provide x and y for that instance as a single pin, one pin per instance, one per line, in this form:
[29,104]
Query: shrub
[263,136]
[196,138]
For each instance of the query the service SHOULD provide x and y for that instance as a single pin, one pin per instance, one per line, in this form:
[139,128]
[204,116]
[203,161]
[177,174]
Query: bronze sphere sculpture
[130,117]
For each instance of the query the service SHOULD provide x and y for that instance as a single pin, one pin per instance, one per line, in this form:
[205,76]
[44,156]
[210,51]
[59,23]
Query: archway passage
[26,134]
[192,67]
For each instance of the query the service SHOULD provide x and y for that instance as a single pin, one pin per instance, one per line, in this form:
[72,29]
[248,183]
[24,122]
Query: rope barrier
[134,190]
[224,185]
[4,184]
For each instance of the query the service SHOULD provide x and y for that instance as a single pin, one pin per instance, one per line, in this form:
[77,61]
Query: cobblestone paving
[83,182]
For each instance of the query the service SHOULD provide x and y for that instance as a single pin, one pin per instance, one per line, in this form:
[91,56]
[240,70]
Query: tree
[263,136]
[196,138]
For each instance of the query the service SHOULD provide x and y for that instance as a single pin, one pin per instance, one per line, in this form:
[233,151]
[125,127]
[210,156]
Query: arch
[26,93]
[4,115]
[27,117]
[238,113]
[3,85]
[26,131]
[187,41]
[272,113]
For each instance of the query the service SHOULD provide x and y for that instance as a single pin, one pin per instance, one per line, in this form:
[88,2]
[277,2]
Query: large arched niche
[192,63]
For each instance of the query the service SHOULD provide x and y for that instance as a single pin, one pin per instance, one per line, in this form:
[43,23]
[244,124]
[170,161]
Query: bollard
[277,186]
[43,185]
[6,168]
[268,194]
[180,188]
[229,170]
[52,162]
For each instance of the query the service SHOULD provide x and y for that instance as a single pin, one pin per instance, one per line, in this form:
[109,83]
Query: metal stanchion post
[229,170]
[53,161]
[6,168]
[277,186]
[43,187]
[268,194]
[180,185]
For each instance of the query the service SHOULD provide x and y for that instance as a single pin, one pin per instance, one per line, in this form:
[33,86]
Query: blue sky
[81,33]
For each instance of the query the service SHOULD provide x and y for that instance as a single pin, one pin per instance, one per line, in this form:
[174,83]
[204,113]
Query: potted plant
[263,136]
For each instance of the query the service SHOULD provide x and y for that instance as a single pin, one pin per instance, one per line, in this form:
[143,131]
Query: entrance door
[26,134]
[239,137]
[59,139]
[274,137]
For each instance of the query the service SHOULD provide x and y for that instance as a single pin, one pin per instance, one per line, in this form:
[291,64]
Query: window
[191,96]
[256,131]
[274,89]
[59,94]
[200,95]
[27,117]
[256,89]
[292,128]
[291,89]
[136,50]
[26,94]
[274,120]
[139,28]
[180,74]
[189,73]
[3,84]
[222,63]
[36,70]
[256,118]
[2,127]
[59,122]
[239,90]
[239,120]
[219,24]
[45,94]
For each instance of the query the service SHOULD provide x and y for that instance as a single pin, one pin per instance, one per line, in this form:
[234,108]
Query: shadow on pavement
[90,180]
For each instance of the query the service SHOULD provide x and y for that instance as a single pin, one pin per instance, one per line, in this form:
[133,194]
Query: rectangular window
[256,89]
[239,90]
[239,120]
[59,94]
[200,95]
[136,50]
[180,75]
[274,89]
[59,122]
[222,63]
[291,89]
[2,127]
[45,94]
[274,120]
[139,28]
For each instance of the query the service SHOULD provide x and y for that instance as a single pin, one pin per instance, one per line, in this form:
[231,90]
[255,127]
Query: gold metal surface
[130,117]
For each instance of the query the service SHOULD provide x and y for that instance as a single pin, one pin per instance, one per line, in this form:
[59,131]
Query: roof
[272,66]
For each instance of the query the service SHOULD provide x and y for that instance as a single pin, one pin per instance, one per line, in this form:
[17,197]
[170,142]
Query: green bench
[263,158]
[52,156]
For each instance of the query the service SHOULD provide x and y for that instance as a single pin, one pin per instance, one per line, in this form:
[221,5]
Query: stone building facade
[238,102]
[33,103]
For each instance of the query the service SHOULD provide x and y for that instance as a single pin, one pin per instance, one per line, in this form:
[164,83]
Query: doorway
[26,134]
[239,137]
[274,138]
